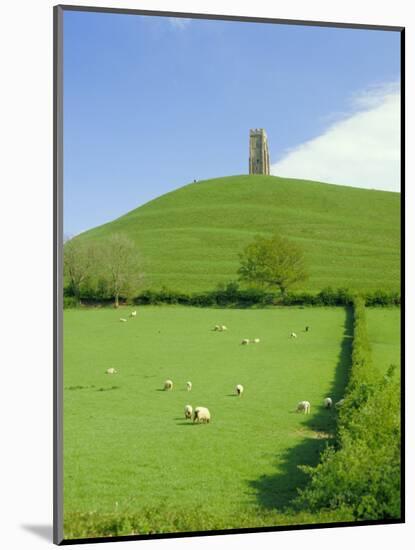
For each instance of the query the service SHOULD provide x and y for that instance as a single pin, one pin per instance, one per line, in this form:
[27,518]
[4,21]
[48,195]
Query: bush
[363,474]
[383,298]
[70,302]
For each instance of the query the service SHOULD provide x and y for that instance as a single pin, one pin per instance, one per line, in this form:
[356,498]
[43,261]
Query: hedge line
[360,473]
[231,295]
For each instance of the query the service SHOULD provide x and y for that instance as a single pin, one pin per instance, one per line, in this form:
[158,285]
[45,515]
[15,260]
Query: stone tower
[258,152]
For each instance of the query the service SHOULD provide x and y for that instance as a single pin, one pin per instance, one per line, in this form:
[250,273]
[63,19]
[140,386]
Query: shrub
[383,298]
[70,302]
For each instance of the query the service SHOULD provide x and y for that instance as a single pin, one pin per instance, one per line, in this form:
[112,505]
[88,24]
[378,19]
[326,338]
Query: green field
[384,330]
[189,239]
[129,450]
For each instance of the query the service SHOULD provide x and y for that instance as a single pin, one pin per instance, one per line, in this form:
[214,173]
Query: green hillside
[190,238]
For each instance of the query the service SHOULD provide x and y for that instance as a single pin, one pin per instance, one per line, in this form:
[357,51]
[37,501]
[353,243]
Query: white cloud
[179,23]
[361,150]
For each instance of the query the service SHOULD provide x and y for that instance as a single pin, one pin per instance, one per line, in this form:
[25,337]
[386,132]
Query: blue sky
[151,103]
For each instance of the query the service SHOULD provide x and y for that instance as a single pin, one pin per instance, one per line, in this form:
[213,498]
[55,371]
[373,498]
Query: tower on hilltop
[258,152]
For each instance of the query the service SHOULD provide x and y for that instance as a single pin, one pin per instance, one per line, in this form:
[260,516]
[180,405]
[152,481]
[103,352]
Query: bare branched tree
[120,265]
[78,263]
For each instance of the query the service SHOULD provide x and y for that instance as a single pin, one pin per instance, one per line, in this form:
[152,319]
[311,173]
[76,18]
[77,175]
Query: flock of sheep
[202,414]
[199,414]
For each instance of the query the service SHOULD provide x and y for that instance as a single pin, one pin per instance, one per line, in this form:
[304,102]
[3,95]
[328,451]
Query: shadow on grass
[275,492]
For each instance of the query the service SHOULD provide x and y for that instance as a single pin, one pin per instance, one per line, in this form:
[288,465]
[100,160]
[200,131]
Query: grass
[132,464]
[384,330]
[190,238]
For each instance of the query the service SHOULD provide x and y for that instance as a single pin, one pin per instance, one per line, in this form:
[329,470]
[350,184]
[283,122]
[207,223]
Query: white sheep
[256,341]
[201,414]
[304,406]
[133,314]
[328,403]
[239,389]
[123,320]
[188,411]
[168,385]
[245,341]
[223,327]
[189,386]
[339,404]
[293,335]
[111,371]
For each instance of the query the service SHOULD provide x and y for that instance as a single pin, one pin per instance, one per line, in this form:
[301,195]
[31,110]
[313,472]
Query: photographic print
[228,231]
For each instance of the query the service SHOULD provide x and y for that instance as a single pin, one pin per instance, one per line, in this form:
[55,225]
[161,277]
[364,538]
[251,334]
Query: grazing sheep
[133,314]
[188,411]
[245,341]
[256,341]
[223,327]
[339,404]
[189,386]
[201,414]
[111,371]
[293,335]
[123,320]
[168,385]
[328,403]
[239,389]
[220,328]
[304,406]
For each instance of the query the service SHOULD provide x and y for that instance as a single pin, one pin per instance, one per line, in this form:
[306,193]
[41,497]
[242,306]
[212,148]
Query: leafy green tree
[119,265]
[272,262]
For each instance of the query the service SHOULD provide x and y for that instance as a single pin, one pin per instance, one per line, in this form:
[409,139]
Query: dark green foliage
[231,295]
[383,298]
[363,474]
[69,302]
[338,297]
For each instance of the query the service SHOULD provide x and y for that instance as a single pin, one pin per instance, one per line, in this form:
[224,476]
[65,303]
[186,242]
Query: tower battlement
[258,152]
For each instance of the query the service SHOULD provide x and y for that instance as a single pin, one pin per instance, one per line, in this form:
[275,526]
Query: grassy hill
[190,238]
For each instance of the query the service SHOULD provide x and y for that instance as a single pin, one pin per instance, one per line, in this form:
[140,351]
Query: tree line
[113,264]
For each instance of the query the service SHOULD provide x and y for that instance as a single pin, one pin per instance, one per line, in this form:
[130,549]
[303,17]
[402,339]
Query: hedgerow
[231,295]
[361,471]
